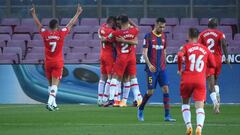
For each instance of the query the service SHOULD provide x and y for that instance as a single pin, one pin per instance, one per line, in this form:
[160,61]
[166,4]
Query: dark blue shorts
[153,78]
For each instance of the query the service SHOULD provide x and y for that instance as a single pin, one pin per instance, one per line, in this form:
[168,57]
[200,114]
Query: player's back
[53,41]
[128,34]
[106,47]
[197,57]
[211,38]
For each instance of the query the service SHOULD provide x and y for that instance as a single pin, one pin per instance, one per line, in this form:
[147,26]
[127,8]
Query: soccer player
[215,41]
[53,41]
[193,79]
[126,39]
[154,52]
[106,59]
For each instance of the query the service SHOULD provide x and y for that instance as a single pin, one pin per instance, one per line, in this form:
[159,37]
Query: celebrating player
[193,79]
[215,41]
[126,39]
[53,40]
[154,52]
[106,59]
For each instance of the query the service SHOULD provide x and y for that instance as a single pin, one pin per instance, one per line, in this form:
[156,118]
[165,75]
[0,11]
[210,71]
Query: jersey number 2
[196,63]
[54,45]
[210,43]
[124,48]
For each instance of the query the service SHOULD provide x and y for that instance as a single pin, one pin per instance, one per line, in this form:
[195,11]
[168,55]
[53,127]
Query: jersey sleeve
[43,32]
[64,31]
[165,41]
[200,39]
[221,36]
[181,54]
[146,41]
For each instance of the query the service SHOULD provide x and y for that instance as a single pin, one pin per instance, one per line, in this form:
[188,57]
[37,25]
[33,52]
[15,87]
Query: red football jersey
[211,38]
[197,58]
[106,47]
[128,34]
[53,41]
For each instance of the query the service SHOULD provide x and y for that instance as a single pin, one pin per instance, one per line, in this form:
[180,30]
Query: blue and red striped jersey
[156,45]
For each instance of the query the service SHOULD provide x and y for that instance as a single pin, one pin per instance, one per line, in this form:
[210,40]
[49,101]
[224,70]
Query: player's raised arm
[33,12]
[132,23]
[75,18]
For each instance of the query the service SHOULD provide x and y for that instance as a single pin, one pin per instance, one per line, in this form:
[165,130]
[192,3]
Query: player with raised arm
[106,59]
[154,52]
[216,42]
[193,79]
[53,42]
[126,39]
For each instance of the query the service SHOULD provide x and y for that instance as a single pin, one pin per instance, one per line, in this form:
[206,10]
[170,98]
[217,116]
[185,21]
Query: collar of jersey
[158,35]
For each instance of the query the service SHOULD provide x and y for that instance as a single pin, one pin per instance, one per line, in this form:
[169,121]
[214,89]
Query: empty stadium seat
[147,21]
[189,21]
[144,29]
[13,51]
[228,21]
[204,21]
[17,43]
[23,29]
[172,21]
[21,37]
[35,43]
[5,30]
[82,36]
[28,22]
[65,21]
[5,37]
[82,30]
[10,21]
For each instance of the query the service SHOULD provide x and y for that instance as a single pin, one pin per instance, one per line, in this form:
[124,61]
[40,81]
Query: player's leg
[151,81]
[186,92]
[126,90]
[216,74]
[213,94]
[118,71]
[163,82]
[118,92]
[199,105]
[101,85]
[107,89]
[199,96]
[186,113]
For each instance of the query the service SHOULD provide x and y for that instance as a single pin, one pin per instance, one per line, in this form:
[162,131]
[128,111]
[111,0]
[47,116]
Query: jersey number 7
[53,45]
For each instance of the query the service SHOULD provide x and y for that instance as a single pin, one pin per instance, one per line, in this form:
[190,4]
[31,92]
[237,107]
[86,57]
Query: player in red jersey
[126,41]
[53,41]
[106,59]
[215,41]
[193,78]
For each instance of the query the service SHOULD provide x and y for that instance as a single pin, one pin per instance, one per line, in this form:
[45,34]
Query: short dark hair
[160,19]
[111,19]
[193,32]
[123,18]
[212,23]
[53,24]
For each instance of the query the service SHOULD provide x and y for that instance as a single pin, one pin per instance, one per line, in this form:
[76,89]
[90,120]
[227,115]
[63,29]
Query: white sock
[113,87]
[119,92]
[126,90]
[213,97]
[200,117]
[106,90]
[135,89]
[100,89]
[217,90]
[52,95]
[186,113]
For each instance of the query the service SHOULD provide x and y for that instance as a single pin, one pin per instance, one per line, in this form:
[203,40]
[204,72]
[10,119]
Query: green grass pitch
[93,120]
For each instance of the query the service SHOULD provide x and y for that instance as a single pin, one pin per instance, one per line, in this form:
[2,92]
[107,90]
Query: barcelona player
[154,52]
